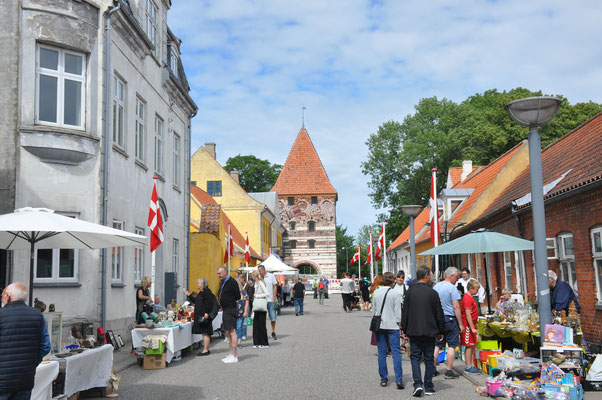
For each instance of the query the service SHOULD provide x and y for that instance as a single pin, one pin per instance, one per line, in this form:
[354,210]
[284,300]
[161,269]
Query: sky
[354,65]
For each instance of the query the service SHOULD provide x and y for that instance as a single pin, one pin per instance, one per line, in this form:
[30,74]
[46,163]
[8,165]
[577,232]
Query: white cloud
[356,64]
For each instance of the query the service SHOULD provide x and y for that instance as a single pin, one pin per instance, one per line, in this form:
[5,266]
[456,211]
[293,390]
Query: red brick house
[572,175]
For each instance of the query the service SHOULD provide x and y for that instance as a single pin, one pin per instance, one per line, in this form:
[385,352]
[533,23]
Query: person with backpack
[321,291]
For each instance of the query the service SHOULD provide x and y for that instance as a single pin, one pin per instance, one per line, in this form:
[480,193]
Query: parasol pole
[31,261]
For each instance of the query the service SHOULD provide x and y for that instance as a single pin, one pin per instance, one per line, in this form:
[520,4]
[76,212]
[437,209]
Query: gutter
[187,213]
[105,159]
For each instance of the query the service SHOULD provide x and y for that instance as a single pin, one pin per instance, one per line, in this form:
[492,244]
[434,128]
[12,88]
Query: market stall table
[46,372]
[87,370]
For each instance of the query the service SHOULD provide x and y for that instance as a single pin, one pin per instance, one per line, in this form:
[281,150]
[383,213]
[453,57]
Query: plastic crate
[158,350]
[492,386]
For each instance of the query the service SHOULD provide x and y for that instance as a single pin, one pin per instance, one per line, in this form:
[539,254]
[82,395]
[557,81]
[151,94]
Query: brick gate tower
[308,209]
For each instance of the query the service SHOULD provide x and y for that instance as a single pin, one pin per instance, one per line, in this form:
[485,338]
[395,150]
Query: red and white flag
[434,210]
[356,256]
[155,223]
[380,247]
[369,257]
[247,250]
[229,247]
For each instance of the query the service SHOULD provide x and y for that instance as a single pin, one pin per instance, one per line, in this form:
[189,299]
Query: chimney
[466,169]
[236,176]
[211,149]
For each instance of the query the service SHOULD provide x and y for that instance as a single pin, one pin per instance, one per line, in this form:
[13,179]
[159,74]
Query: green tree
[345,249]
[440,134]
[256,175]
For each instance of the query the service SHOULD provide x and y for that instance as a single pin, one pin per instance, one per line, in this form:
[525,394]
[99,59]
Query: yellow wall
[266,234]
[242,209]
[423,260]
[206,255]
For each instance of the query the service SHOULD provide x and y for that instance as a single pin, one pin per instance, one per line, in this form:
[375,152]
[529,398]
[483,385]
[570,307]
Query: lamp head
[411,211]
[533,111]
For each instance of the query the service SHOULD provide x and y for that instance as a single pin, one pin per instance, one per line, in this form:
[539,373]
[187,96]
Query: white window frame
[117,255]
[551,242]
[152,25]
[175,255]
[159,144]
[508,270]
[56,261]
[119,102]
[176,159]
[568,268]
[61,76]
[597,262]
[521,280]
[173,60]
[140,150]
[139,257]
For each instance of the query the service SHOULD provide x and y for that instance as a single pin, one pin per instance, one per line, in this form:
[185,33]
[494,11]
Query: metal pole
[412,248]
[539,230]
[31,260]
[346,262]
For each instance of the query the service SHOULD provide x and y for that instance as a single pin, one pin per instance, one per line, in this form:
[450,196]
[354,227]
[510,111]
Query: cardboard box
[156,361]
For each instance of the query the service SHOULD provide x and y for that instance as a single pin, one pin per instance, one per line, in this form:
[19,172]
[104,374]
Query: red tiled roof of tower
[419,222]
[303,172]
[577,151]
[210,218]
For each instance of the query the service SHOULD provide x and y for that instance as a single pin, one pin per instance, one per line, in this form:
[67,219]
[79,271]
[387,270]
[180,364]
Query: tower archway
[308,268]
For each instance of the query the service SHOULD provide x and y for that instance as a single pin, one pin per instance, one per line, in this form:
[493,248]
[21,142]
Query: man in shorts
[228,294]
[272,285]
[450,301]
[470,315]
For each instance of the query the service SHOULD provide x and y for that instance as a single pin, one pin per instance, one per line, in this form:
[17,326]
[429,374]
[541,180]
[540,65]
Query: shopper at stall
[227,297]
[561,294]
[143,299]
[450,301]
[422,322]
[470,316]
[298,296]
[387,304]
[242,309]
[504,300]
[260,333]
[271,284]
[24,342]
[205,310]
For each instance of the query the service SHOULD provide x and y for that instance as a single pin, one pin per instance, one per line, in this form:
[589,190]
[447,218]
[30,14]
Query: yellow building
[247,213]
[208,232]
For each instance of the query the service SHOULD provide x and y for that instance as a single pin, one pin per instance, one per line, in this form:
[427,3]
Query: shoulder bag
[260,303]
[376,319]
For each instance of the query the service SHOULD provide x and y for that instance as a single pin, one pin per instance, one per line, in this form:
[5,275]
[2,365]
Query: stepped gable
[303,172]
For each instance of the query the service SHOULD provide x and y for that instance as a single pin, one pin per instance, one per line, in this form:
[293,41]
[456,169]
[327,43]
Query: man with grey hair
[450,301]
[24,343]
[561,294]
[272,285]
[229,293]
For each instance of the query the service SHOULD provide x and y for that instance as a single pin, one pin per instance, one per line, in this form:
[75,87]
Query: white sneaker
[244,338]
[231,360]
[255,347]
[228,357]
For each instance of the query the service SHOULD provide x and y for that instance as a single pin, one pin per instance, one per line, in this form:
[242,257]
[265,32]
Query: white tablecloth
[46,372]
[89,369]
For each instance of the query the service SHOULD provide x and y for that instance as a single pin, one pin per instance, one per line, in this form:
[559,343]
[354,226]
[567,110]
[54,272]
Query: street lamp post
[412,212]
[534,112]
[346,259]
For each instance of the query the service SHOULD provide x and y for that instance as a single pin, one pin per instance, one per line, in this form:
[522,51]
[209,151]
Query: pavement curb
[125,365]
[477,380]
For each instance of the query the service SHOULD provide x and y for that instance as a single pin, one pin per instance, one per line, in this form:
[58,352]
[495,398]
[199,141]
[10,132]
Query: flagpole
[436,223]
[359,262]
[152,288]
[371,260]
[229,248]
[384,249]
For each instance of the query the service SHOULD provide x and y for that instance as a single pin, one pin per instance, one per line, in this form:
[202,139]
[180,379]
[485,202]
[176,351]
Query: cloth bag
[376,319]
[260,304]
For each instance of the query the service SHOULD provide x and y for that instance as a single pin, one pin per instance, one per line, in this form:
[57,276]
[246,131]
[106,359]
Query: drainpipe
[105,159]
[187,216]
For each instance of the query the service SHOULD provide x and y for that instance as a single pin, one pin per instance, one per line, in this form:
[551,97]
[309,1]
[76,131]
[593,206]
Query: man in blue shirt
[561,294]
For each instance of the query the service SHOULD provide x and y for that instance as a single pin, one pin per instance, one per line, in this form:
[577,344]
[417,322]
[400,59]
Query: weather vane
[303,108]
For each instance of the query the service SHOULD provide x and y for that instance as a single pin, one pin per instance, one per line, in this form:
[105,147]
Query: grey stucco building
[94,103]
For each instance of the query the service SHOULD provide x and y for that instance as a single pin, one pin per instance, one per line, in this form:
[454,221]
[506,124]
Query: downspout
[519,222]
[187,221]
[105,159]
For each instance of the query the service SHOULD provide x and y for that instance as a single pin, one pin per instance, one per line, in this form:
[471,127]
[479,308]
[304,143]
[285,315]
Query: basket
[492,386]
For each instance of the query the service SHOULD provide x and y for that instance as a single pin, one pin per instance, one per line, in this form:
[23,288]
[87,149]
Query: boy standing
[470,316]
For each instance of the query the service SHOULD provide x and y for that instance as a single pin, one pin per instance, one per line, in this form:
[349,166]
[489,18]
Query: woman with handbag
[205,310]
[260,308]
[386,319]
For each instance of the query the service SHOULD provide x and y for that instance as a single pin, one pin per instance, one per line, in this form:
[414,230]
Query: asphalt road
[324,354]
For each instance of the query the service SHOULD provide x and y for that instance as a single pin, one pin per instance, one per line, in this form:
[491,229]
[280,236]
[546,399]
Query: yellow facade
[244,211]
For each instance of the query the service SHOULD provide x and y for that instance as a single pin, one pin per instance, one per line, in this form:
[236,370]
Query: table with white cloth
[46,372]
[87,370]
[177,338]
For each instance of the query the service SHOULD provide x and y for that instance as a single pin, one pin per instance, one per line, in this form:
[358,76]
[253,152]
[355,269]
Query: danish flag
[434,211]
[154,220]
[369,257]
[381,243]
[247,250]
[356,256]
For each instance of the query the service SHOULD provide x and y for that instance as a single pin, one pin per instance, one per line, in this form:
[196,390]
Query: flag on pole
[380,246]
[434,211]
[247,250]
[155,222]
[356,256]
[229,247]
[369,257]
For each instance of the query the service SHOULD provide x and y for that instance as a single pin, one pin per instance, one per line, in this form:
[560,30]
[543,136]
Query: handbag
[260,304]
[376,319]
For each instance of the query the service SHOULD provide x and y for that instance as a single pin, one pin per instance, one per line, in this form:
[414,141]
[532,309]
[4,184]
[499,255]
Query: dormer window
[152,25]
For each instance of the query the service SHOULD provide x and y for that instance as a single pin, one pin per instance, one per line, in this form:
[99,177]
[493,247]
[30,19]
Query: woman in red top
[469,320]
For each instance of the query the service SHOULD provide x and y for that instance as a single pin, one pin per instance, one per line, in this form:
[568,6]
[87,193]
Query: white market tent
[274,265]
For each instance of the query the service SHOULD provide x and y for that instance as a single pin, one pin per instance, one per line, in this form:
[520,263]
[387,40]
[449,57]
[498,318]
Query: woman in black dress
[205,310]
[260,333]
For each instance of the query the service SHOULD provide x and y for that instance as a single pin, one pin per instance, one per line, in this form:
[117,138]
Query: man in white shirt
[347,288]
[464,281]
[270,283]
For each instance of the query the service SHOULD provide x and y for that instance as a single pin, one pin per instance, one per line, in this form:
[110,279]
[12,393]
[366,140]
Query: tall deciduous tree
[256,175]
[442,133]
